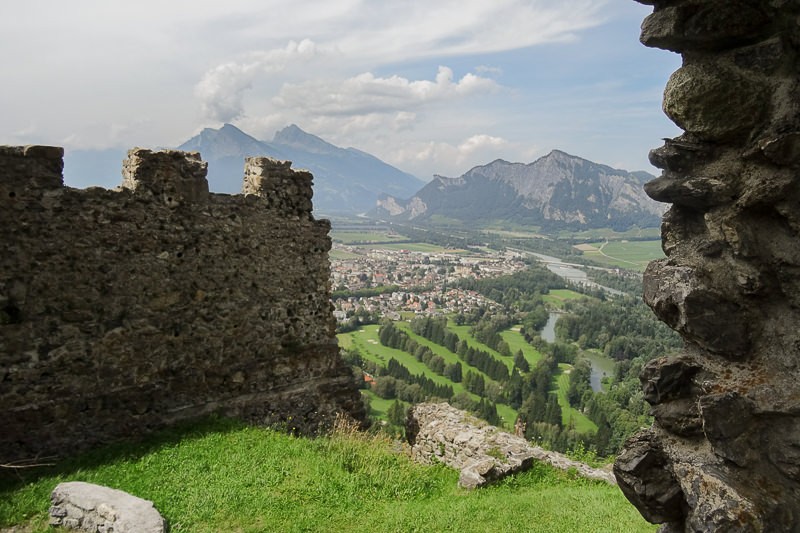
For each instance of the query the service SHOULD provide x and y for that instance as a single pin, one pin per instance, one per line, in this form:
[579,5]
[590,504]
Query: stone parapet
[125,311]
[284,190]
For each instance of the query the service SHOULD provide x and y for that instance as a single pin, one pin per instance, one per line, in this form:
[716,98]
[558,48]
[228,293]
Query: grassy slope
[557,297]
[570,415]
[517,342]
[226,477]
[380,354]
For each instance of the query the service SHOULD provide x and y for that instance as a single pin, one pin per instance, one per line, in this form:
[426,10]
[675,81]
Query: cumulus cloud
[453,158]
[221,90]
[367,93]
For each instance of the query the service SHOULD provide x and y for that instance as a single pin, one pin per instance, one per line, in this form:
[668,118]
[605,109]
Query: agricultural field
[359,237]
[633,255]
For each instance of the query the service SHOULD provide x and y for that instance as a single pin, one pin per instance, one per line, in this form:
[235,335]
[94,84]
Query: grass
[341,255]
[557,297]
[608,233]
[625,254]
[378,407]
[366,340]
[517,342]
[570,415]
[350,237]
[223,476]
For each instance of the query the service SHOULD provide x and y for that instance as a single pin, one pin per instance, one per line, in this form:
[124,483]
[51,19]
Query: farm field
[350,237]
[625,254]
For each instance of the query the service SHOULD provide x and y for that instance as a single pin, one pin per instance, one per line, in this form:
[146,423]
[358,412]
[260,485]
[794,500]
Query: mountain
[346,180]
[556,191]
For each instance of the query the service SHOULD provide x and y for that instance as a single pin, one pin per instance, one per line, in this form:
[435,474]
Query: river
[570,272]
[602,366]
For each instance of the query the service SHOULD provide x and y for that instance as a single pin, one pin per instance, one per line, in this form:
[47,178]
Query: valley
[473,318]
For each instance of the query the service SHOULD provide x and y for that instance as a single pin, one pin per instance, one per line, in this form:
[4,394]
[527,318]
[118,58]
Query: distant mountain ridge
[558,190]
[346,180]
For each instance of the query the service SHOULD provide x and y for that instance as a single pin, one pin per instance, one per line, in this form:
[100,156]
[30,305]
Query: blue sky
[430,87]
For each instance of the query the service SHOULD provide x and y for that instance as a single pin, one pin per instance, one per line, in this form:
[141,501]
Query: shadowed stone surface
[724,451]
[125,311]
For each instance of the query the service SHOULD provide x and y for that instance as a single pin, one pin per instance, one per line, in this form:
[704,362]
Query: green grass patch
[341,255]
[366,340]
[350,237]
[569,415]
[378,407]
[557,297]
[225,477]
[517,342]
[600,234]
[626,254]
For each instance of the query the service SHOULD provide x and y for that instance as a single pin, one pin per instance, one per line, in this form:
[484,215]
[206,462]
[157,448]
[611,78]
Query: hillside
[556,191]
[346,180]
[223,476]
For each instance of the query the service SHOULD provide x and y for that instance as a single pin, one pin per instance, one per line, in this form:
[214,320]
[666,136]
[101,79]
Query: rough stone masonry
[123,311]
[724,451]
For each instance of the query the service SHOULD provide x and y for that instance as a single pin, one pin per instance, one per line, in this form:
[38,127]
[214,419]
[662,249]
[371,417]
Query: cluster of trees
[435,330]
[623,328]
[393,337]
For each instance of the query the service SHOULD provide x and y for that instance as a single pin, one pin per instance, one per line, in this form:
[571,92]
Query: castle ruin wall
[124,311]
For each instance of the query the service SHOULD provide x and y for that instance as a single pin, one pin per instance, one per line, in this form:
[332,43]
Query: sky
[430,86]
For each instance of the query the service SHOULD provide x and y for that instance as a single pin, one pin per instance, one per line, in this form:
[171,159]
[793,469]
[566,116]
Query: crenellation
[122,311]
[171,175]
[29,171]
[285,190]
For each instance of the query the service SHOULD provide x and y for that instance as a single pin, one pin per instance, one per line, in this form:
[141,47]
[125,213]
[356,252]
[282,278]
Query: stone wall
[125,311]
[724,451]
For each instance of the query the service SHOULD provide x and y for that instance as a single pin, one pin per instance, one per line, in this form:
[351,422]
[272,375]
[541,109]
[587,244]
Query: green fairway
[557,297]
[569,415]
[517,342]
[367,342]
[625,254]
[448,356]
[378,407]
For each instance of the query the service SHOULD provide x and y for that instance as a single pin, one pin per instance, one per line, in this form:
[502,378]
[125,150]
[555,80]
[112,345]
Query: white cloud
[221,90]
[367,93]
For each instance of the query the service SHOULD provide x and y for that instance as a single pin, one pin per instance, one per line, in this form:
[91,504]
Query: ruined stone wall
[125,311]
[724,451]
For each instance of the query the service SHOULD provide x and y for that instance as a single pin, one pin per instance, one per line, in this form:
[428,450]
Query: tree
[521,363]
[396,414]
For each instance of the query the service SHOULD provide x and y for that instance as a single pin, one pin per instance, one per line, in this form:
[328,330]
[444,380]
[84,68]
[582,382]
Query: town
[424,281]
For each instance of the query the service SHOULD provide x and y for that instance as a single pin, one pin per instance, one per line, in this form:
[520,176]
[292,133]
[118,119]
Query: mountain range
[556,191]
[346,180]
